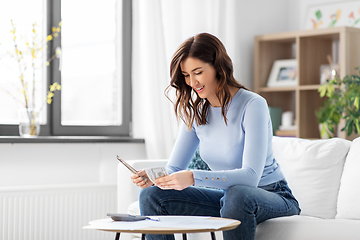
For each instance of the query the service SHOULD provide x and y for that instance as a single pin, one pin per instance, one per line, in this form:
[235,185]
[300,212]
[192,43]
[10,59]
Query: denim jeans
[249,205]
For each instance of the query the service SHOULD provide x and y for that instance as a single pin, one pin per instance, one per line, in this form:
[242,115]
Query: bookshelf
[310,48]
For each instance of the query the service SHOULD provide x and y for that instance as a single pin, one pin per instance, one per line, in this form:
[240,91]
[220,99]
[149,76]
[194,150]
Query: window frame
[53,126]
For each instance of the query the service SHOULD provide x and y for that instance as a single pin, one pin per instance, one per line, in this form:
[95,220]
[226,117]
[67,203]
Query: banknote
[154,173]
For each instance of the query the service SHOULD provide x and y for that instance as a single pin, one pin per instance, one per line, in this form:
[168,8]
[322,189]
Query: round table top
[212,225]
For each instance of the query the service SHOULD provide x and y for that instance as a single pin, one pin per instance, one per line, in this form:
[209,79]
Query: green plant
[343,102]
[28,53]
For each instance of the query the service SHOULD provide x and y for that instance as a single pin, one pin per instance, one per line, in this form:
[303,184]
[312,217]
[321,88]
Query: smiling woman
[201,65]
[232,129]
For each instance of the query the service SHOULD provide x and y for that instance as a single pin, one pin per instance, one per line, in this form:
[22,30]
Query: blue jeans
[249,205]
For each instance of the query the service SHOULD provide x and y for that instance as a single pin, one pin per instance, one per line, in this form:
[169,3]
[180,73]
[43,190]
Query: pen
[153,219]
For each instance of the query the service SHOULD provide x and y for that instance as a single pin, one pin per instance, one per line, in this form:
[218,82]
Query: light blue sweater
[239,153]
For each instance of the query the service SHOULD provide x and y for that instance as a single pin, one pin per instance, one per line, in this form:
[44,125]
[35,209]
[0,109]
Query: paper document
[175,222]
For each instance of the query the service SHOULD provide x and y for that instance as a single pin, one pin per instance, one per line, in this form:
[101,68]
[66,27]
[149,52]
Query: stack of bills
[154,173]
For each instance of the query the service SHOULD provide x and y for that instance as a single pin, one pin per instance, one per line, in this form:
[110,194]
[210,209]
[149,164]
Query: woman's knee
[238,199]
[145,193]
[149,194]
[148,200]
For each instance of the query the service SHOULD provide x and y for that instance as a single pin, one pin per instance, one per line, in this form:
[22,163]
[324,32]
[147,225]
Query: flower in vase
[28,55]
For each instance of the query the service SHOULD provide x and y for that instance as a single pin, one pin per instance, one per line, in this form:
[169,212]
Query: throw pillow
[197,162]
[313,169]
[349,193]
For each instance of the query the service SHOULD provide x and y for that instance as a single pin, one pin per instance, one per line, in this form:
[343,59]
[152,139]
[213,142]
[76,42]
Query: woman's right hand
[139,180]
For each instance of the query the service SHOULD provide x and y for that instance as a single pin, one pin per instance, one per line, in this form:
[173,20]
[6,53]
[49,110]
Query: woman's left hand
[177,180]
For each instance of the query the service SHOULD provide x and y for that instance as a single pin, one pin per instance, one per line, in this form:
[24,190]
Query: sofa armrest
[127,191]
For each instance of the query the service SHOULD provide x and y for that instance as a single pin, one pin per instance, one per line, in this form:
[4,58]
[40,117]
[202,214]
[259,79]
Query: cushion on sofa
[307,228]
[313,169]
[197,162]
[349,194]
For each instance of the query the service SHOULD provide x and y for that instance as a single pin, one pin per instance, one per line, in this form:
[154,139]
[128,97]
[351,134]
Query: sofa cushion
[349,194]
[305,227]
[313,169]
[197,162]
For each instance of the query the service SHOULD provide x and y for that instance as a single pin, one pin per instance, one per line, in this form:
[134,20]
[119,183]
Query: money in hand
[154,173]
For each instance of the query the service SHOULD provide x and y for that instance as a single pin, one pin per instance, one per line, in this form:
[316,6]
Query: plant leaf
[322,90]
[330,91]
[323,129]
[356,102]
[349,131]
[357,126]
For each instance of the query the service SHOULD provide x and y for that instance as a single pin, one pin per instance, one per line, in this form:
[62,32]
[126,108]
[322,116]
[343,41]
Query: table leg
[184,236]
[143,236]
[117,236]
[213,236]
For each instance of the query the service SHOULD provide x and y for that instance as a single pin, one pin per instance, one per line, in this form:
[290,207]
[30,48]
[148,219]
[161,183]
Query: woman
[233,130]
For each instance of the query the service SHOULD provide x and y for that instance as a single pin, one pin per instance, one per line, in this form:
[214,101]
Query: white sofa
[324,176]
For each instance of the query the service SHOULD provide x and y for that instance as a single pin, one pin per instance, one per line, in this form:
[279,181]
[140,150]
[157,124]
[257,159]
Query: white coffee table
[166,225]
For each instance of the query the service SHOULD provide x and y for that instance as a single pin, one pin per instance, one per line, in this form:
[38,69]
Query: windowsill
[69,139]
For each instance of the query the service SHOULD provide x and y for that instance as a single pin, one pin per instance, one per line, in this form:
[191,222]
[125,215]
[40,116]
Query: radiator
[55,212]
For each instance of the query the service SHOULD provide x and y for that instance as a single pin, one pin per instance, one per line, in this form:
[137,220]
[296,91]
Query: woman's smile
[200,89]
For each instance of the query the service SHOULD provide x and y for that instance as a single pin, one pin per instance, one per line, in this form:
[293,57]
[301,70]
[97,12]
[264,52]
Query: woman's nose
[193,82]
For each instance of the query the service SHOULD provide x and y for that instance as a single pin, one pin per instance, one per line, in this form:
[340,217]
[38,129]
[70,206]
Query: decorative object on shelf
[28,54]
[343,103]
[288,126]
[287,119]
[283,73]
[333,15]
[328,72]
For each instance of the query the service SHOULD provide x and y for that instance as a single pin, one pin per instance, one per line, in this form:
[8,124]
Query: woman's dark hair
[188,105]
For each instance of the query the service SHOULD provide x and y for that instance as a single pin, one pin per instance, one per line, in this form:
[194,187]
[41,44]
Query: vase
[29,122]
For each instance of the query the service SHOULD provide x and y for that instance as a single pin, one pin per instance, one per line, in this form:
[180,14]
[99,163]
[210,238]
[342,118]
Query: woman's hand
[139,181]
[177,180]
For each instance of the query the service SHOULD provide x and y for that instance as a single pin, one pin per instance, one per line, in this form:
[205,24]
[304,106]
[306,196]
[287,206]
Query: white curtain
[159,27]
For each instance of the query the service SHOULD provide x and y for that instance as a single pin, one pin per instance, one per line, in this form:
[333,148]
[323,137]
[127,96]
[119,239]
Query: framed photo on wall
[283,73]
[327,15]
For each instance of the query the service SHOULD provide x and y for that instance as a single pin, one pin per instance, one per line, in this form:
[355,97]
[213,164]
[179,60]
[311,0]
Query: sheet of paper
[181,222]
[109,224]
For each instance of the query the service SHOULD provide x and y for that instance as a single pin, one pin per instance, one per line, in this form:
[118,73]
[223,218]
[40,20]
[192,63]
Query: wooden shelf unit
[310,48]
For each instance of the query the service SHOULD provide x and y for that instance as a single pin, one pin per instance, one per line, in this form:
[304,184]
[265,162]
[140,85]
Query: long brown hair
[188,105]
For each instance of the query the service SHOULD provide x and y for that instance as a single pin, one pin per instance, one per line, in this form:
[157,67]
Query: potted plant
[343,102]
[28,53]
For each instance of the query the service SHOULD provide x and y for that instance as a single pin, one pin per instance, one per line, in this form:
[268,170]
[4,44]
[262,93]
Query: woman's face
[201,77]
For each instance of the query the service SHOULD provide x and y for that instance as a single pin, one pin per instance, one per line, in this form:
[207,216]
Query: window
[95,80]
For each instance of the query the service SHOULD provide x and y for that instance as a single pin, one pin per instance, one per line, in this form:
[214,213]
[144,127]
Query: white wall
[256,18]
[24,164]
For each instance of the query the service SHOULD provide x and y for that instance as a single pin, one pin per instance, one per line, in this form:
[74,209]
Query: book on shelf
[285,133]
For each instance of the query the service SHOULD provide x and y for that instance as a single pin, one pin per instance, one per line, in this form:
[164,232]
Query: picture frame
[336,14]
[283,73]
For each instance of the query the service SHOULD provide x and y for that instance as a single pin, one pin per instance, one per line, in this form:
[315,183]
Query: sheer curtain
[159,27]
